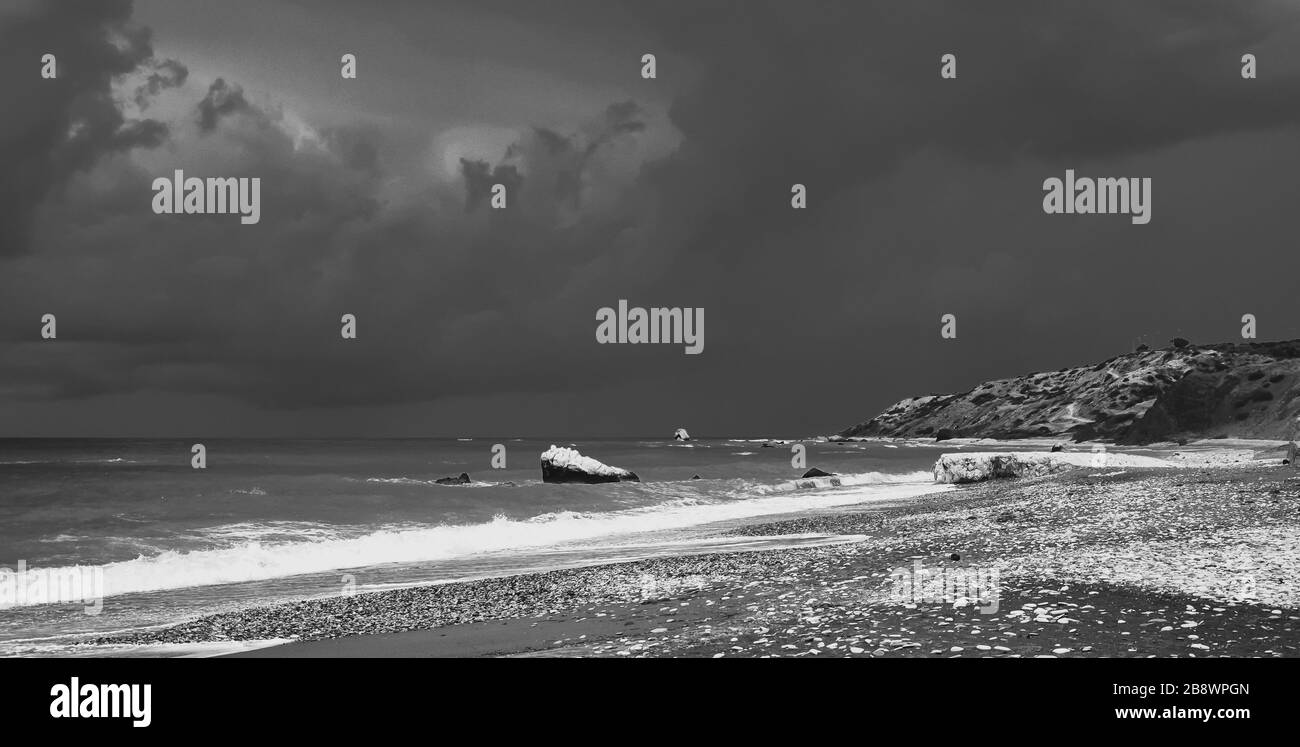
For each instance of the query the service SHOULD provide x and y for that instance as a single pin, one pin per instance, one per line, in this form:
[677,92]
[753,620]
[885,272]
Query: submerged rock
[967,468]
[462,480]
[563,464]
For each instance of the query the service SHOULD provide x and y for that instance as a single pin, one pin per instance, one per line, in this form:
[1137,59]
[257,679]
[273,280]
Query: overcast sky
[924,198]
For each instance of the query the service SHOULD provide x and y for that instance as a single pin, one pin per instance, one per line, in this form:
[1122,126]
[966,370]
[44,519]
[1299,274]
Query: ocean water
[275,520]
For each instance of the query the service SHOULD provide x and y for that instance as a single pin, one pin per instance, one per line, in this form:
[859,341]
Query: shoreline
[1117,561]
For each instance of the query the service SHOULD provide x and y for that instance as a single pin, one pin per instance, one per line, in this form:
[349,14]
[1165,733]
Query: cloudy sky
[924,198]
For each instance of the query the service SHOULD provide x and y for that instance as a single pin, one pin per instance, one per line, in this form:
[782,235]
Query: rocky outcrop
[462,480]
[563,464]
[1249,390]
[960,469]
[681,435]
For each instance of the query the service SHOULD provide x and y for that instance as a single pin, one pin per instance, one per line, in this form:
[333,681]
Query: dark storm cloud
[556,162]
[52,128]
[560,163]
[554,142]
[447,301]
[481,176]
[924,197]
[356,148]
[841,93]
[165,74]
[620,118]
[222,100]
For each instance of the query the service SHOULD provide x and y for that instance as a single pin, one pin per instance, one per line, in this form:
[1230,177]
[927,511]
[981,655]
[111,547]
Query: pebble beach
[1188,561]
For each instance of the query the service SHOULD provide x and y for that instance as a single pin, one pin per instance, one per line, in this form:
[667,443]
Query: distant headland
[1184,391]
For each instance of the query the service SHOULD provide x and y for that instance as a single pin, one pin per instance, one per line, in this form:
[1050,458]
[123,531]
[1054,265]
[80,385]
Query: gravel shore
[1116,562]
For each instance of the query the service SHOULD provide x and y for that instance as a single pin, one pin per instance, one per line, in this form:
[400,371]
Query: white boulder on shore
[966,468]
[979,466]
[564,464]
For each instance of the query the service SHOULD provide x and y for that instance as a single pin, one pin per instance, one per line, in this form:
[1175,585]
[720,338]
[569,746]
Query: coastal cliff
[1248,390]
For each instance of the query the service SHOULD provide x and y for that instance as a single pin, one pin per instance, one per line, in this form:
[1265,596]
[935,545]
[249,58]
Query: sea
[102,536]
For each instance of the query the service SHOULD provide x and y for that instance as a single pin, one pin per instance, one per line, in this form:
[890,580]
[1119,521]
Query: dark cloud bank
[924,199]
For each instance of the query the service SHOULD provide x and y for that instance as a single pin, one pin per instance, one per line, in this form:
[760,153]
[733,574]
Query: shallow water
[272,521]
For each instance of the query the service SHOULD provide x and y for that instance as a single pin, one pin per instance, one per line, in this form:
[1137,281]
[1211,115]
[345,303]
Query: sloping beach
[1195,559]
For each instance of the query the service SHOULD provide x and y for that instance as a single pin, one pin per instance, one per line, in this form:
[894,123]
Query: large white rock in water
[681,435]
[977,467]
[563,464]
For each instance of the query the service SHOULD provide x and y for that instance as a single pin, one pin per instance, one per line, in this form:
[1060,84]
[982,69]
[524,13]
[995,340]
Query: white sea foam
[433,483]
[259,552]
